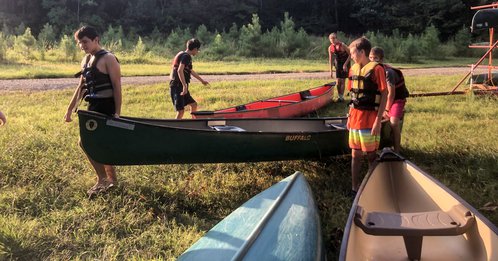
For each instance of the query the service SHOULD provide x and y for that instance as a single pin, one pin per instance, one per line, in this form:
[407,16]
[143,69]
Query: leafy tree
[250,38]
[3,47]
[25,43]
[47,36]
[68,48]
[430,41]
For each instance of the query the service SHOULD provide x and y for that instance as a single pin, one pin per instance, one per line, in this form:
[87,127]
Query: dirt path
[62,83]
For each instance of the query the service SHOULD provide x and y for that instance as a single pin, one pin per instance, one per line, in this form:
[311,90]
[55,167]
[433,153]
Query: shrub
[250,38]
[68,48]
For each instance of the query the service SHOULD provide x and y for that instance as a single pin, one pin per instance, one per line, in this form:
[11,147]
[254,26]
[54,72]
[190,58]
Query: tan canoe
[402,213]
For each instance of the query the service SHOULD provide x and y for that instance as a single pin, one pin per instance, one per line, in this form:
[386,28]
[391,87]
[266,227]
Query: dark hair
[362,43]
[87,31]
[193,43]
[378,51]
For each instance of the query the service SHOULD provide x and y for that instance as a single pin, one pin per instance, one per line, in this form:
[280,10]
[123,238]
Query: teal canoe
[138,141]
[280,223]
[402,213]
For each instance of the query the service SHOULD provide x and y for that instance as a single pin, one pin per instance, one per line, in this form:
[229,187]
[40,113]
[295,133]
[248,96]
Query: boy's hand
[204,82]
[376,128]
[67,117]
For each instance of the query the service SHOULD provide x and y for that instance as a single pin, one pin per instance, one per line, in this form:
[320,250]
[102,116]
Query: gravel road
[63,83]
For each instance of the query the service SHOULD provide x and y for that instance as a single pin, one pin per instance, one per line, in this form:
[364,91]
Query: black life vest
[176,63]
[365,94]
[401,92]
[96,84]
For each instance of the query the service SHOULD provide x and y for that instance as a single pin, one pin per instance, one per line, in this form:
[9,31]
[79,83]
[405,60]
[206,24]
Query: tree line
[318,17]
[249,40]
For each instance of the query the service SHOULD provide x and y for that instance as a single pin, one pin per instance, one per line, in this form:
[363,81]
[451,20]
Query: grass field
[157,212]
[45,69]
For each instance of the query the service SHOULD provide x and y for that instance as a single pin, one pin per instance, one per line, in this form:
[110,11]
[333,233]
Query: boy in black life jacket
[181,72]
[396,96]
[368,87]
[100,85]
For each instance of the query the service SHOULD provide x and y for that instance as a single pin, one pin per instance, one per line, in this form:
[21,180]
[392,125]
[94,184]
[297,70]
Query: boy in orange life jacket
[339,57]
[368,87]
[181,71]
[396,97]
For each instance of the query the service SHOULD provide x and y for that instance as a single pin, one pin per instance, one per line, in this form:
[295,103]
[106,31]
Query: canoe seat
[414,226]
[227,128]
[306,95]
[240,108]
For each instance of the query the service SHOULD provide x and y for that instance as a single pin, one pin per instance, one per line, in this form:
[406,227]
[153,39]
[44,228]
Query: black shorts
[339,72]
[102,105]
[180,101]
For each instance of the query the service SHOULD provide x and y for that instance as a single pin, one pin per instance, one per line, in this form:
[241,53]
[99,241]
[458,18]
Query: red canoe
[289,105]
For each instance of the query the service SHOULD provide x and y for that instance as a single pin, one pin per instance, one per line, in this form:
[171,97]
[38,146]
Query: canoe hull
[286,106]
[136,141]
[400,189]
[280,223]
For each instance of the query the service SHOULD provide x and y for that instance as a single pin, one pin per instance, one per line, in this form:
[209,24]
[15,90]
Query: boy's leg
[179,114]
[340,88]
[396,133]
[193,107]
[357,156]
[371,156]
[395,114]
[111,174]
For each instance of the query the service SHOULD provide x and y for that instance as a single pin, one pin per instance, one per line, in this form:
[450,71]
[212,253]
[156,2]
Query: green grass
[54,69]
[157,212]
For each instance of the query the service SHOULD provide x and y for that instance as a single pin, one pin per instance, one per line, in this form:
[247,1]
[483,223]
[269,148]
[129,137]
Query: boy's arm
[114,70]
[345,66]
[74,101]
[331,63]
[198,77]
[380,75]
[181,76]
[391,89]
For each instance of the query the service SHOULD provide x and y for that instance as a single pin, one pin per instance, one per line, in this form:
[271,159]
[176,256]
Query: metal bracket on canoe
[388,154]
[336,124]
[330,84]
[220,125]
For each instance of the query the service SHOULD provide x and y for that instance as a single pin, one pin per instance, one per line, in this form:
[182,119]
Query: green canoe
[280,223]
[138,141]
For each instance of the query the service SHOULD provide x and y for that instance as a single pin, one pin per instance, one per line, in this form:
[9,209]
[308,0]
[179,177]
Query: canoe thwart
[227,128]
[414,226]
[204,112]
